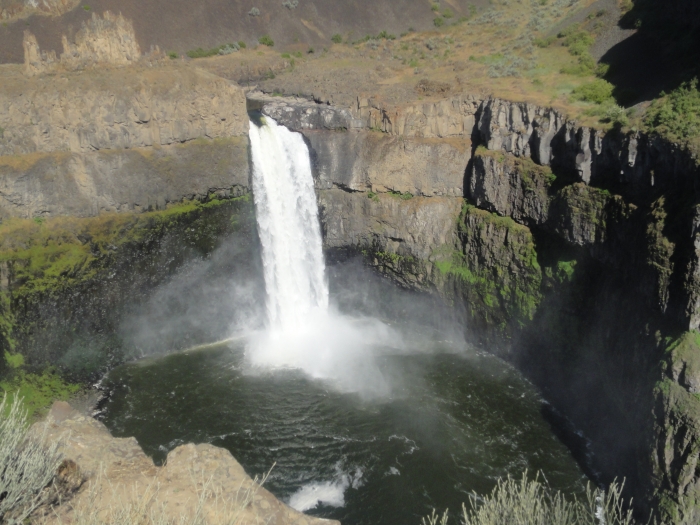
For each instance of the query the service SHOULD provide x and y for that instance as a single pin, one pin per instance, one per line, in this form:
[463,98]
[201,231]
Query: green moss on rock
[496,270]
[54,260]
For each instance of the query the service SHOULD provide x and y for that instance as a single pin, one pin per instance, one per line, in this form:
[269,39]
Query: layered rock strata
[100,141]
[573,253]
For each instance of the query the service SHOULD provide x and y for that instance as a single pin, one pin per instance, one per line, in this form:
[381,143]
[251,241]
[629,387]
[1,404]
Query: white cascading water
[285,202]
[303,332]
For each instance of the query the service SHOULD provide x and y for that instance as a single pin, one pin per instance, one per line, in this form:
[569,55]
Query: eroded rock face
[453,117]
[120,477]
[109,39]
[108,110]
[133,180]
[13,9]
[413,227]
[362,161]
[506,187]
[301,114]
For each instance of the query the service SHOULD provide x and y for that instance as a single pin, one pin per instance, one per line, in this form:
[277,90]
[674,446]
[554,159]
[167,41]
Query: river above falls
[454,423]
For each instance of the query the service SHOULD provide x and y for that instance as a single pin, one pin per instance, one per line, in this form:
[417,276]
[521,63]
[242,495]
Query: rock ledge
[114,473]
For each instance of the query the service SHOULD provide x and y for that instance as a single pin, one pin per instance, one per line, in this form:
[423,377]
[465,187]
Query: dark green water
[454,424]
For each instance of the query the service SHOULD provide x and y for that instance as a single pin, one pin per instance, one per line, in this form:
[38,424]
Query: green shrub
[578,42]
[585,66]
[285,55]
[266,41]
[172,55]
[447,13]
[602,69]
[203,53]
[438,22]
[310,51]
[337,39]
[27,466]
[598,92]
[241,44]
[677,114]
[544,42]
[616,115]
[435,7]
[86,7]
[531,503]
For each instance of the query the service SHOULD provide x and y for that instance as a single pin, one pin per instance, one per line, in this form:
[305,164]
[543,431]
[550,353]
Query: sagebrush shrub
[598,92]
[27,464]
[529,502]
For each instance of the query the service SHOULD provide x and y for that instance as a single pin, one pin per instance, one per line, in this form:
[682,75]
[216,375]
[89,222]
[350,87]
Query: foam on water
[328,493]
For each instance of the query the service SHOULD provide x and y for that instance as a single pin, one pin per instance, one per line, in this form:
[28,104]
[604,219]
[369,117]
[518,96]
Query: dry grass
[142,506]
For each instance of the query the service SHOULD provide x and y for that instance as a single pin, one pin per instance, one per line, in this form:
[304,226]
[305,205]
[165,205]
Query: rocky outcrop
[454,117]
[113,475]
[107,40]
[14,9]
[633,164]
[412,227]
[677,427]
[302,114]
[510,187]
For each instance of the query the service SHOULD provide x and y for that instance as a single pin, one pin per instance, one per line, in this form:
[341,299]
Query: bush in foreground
[529,502]
[27,466]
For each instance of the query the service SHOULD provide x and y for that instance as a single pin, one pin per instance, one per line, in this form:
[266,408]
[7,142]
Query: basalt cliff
[570,251]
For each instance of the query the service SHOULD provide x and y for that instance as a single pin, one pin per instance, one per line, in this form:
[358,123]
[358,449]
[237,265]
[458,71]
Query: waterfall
[288,224]
[303,332]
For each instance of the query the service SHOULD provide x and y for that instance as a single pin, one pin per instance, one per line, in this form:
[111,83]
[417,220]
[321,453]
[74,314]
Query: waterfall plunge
[303,332]
[288,226]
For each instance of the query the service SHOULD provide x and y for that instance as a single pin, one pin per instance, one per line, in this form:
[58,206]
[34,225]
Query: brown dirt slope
[181,25]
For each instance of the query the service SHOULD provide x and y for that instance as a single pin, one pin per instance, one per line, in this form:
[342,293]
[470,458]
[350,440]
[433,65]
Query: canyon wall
[571,251]
[97,141]
[111,179]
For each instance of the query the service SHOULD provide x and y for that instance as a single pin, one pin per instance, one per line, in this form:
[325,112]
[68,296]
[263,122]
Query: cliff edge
[102,476]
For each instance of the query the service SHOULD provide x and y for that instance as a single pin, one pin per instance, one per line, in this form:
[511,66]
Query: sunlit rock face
[101,473]
[559,241]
